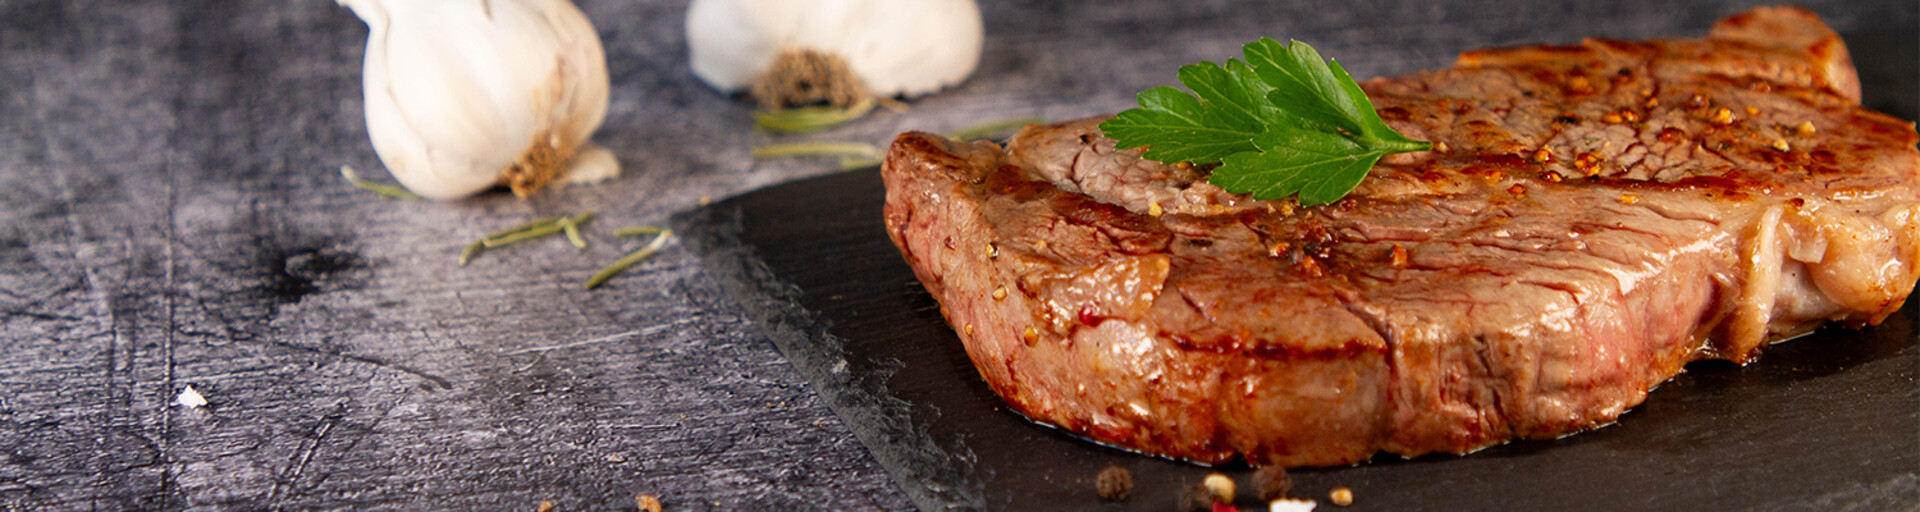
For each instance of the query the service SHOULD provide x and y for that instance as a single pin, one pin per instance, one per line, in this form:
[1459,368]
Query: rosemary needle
[573,236]
[572,226]
[472,251]
[808,119]
[848,163]
[385,190]
[627,261]
[993,129]
[856,149]
[638,231]
[536,228]
[539,228]
[536,232]
[577,220]
[543,221]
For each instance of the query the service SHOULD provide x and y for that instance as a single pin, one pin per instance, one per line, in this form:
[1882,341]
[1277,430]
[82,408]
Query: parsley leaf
[1282,122]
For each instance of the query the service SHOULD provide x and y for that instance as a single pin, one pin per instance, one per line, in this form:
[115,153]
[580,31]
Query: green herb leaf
[1282,122]
[1176,127]
[1305,85]
[1319,166]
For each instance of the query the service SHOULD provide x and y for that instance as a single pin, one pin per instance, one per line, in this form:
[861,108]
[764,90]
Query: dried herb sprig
[385,190]
[810,119]
[848,163]
[535,233]
[994,129]
[474,249]
[532,230]
[632,258]
[853,155]
[571,226]
[851,149]
[639,231]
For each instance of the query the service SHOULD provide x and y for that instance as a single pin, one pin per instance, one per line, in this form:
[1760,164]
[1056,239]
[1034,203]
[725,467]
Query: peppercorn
[1543,156]
[1588,163]
[646,502]
[1579,85]
[1721,116]
[1278,249]
[1341,496]
[1219,486]
[1272,482]
[1672,135]
[1309,267]
[1196,499]
[1114,483]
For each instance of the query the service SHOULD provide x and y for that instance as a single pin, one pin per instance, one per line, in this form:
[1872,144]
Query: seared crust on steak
[1593,217]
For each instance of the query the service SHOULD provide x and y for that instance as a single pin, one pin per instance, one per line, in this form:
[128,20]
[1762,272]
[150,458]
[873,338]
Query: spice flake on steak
[1592,218]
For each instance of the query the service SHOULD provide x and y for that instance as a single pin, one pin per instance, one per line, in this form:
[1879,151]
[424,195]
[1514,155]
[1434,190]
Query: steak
[1592,218]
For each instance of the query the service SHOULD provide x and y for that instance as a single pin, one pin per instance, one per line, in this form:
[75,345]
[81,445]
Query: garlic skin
[465,94]
[895,47]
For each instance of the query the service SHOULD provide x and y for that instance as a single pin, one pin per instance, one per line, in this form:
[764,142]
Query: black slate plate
[1830,421]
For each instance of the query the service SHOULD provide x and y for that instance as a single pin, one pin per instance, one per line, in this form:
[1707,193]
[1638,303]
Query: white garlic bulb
[465,94]
[895,47]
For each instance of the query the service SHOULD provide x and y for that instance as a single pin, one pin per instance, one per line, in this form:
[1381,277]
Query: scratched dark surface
[1830,421]
[170,216]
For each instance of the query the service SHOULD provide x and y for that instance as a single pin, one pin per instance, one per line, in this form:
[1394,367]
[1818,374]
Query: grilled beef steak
[1592,218]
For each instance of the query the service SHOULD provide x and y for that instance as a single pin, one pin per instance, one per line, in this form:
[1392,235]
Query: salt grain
[190,399]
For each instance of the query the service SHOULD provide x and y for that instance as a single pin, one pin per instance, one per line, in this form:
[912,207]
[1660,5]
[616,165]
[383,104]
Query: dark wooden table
[170,216]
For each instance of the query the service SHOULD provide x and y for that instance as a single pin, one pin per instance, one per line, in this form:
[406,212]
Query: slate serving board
[1830,421]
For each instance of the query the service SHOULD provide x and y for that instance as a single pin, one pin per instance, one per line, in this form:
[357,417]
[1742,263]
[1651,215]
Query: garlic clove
[592,164]
[462,95]
[894,47]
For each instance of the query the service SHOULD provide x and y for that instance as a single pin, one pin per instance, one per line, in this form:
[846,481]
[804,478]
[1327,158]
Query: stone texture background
[170,215]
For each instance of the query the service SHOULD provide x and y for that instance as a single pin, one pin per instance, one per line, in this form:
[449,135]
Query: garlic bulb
[465,94]
[894,47]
